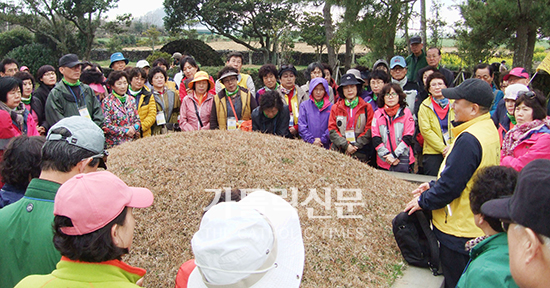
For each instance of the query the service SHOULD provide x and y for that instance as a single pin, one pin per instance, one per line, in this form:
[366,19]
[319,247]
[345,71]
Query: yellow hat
[199,76]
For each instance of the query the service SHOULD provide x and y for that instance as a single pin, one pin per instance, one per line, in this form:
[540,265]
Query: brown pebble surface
[180,167]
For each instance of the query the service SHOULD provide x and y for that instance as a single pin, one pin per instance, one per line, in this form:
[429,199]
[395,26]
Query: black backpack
[416,240]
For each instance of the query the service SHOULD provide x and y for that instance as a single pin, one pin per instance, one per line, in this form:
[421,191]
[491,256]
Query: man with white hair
[526,216]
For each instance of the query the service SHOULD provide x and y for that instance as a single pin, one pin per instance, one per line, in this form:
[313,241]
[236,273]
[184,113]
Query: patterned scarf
[514,137]
[472,243]
[17,115]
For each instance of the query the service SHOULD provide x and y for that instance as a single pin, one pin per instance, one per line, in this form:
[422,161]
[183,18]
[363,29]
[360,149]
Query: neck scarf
[132,92]
[274,89]
[286,91]
[374,97]
[121,98]
[391,111]
[512,118]
[231,94]
[441,107]
[71,84]
[472,243]
[517,134]
[27,101]
[17,115]
[321,103]
[401,82]
[351,104]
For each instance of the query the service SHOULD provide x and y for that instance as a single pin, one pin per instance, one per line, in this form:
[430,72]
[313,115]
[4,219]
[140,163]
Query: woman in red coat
[14,118]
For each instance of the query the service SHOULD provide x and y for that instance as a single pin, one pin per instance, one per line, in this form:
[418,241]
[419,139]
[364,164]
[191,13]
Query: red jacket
[338,124]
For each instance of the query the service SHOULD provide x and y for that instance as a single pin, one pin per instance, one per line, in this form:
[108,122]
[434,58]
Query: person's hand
[189,91]
[41,130]
[418,191]
[131,131]
[292,130]
[318,142]
[140,282]
[395,162]
[413,205]
[389,159]
[351,149]
[446,150]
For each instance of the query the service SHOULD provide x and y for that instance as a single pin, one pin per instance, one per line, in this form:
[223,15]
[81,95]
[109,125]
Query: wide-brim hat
[222,254]
[349,79]
[117,56]
[200,76]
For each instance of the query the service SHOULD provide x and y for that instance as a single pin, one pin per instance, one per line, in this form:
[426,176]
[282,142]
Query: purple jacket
[312,121]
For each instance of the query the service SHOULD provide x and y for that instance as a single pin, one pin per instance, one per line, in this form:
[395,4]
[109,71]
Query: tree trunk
[524,46]
[329,31]
[423,22]
[347,56]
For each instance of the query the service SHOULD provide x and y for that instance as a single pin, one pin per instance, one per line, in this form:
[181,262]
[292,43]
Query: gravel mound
[351,246]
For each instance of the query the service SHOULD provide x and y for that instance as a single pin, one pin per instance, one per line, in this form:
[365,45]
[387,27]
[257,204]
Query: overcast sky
[141,7]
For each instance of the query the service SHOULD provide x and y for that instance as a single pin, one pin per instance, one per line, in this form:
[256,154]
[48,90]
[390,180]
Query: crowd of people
[403,115]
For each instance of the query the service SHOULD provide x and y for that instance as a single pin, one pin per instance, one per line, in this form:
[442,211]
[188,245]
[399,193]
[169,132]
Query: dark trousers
[452,264]
[432,163]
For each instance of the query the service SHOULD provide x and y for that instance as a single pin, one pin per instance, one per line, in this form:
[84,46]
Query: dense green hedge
[202,53]
[33,56]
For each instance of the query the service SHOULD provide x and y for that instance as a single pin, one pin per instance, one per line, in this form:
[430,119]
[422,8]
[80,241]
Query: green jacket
[74,274]
[414,64]
[61,104]
[489,266]
[26,227]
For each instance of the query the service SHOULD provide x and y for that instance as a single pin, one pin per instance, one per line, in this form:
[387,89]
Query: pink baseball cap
[94,199]
[518,72]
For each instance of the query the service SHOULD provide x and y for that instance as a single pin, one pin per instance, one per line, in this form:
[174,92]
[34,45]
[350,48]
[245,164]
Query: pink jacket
[534,147]
[395,134]
[188,114]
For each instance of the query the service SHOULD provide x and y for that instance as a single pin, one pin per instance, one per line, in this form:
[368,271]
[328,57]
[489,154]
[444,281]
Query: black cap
[69,60]
[474,90]
[287,67]
[415,39]
[529,206]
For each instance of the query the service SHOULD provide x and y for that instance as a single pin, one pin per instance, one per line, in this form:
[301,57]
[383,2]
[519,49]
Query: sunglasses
[528,94]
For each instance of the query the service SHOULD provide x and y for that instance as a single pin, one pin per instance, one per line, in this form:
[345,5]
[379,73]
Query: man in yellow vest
[235,60]
[476,146]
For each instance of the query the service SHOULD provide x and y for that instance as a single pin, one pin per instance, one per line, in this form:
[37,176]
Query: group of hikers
[403,115]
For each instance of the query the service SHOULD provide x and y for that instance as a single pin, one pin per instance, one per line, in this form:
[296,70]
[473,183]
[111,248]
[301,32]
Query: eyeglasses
[391,95]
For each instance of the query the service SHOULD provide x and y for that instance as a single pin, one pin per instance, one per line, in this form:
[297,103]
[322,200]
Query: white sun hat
[256,242]
[513,90]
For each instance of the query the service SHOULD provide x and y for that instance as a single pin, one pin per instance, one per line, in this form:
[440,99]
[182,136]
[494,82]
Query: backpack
[416,240]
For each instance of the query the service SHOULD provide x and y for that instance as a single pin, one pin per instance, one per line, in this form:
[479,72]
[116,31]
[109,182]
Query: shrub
[202,53]
[33,56]
[159,54]
[14,38]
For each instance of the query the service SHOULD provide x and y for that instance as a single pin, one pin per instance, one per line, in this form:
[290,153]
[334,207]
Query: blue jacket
[498,96]
[10,194]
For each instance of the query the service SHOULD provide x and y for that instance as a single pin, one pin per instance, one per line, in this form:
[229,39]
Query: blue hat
[398,60]
[117,56]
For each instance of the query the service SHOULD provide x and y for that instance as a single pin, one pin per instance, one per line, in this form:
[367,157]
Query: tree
[379,25]
[436,24]
[241,21]
[490,23]
[313,32]
[12,39]
[70,25]
[153,35]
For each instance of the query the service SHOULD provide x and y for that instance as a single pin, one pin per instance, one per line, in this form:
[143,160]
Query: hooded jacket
[337,125]
[393,135]
[313,122]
